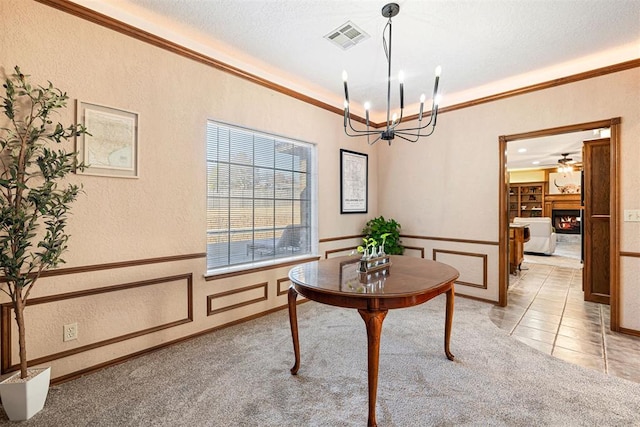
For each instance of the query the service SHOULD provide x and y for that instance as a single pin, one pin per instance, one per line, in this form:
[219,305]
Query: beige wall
[447,185]
[517,177]
[162,213]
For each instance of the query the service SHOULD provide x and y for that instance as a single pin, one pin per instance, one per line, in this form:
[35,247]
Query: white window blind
[258,196]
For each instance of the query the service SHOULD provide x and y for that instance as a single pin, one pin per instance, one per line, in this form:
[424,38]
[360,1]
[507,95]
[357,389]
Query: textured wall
[451,179]
[161,213]
[445,186]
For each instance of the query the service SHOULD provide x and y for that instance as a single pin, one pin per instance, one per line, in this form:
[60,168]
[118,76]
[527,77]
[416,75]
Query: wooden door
[597,220]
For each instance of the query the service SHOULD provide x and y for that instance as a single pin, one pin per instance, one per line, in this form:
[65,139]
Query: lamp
[564,164]
[391,130]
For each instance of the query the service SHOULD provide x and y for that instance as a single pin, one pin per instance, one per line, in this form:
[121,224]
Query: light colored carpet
[240,377]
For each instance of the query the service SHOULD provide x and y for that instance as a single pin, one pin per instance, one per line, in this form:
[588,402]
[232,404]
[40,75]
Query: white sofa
[542,237]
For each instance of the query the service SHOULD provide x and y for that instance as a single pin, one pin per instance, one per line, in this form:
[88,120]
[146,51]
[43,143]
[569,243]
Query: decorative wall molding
[450,239]
[112,362]
[415,248]
[333,239]
[630,254]
[280,290]
[338,250]
[152,39]
[247,289]
[119,264]
[6,309]
[131,31]
[412,236]
[628,331]
[484,257]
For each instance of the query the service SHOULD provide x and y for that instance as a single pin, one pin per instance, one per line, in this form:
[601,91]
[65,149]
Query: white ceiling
[484,46]
[546,150]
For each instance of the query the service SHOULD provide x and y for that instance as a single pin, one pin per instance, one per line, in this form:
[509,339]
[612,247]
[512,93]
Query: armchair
[543,237]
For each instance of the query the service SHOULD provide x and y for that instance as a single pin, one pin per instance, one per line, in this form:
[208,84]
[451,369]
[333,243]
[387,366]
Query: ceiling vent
[347,35]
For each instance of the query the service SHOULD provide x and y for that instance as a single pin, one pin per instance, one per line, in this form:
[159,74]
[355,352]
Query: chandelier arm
[399,120]
[403,137]
[361,132]
[415,128]
[404,132]
[347,118]
[434,113]
[375,140]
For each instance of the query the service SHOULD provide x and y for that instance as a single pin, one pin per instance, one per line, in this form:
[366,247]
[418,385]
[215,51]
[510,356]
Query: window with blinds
[259,190]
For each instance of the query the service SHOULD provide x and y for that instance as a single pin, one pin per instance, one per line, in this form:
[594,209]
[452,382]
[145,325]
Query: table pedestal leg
[448,322]
[293,320]
[373,321]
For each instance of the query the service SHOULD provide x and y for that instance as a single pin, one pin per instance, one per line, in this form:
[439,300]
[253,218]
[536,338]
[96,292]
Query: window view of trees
[258,203]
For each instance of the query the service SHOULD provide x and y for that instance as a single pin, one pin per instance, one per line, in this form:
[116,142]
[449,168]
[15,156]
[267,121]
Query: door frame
[614,227]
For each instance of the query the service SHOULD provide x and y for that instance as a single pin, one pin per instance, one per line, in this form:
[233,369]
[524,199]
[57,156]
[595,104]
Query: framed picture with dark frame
[354,188]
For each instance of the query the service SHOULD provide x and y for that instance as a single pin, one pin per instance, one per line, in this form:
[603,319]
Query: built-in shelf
[526,200]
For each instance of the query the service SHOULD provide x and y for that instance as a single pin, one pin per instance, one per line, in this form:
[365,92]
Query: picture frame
[565,183]
[354,188]
[110,148]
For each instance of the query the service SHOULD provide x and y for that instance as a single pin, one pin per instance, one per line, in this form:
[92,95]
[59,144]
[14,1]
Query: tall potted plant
[34,207]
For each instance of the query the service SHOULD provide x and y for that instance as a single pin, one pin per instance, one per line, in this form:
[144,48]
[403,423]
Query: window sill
[254,268]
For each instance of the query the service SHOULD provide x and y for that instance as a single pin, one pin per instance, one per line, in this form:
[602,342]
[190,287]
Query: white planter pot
[23,399]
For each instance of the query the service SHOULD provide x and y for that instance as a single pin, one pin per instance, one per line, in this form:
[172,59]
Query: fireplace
[566,221]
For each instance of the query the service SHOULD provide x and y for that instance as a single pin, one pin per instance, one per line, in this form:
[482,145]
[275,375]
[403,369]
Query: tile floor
[546,310]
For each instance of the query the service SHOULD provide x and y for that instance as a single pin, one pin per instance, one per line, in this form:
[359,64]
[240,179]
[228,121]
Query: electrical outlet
[70,332]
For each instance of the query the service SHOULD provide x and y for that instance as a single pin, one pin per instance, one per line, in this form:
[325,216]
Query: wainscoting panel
[283,286]
[414,251]
[131,309]
[236,298]
[339,252]
[472,266]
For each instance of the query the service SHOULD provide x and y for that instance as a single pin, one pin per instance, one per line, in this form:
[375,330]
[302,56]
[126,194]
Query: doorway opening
[534,210]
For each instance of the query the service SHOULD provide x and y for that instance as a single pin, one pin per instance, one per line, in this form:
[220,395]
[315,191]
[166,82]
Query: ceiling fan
[565,160]
[566,163]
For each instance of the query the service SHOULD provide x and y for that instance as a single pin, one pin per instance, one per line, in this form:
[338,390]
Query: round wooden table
[410,281]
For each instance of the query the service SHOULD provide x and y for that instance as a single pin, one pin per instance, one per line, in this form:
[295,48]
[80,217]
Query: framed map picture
[110,148]
[353,182]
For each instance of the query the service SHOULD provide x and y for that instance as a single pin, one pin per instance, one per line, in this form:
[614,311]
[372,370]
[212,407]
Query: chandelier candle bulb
[401,80]
[367,107]
[346,111]
[435,86]
[422,98]
[436,102]
[346,90]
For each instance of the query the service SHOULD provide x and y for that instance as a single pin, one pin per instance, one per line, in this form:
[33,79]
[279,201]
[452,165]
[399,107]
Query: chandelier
[391,129]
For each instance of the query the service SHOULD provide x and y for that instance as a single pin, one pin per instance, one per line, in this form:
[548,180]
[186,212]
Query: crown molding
[129,30]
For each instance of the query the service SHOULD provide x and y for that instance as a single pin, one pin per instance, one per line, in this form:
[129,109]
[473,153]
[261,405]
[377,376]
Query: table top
[335,281]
